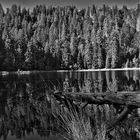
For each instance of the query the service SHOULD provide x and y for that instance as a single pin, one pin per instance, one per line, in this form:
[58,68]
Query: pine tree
[114,45]
[100,58]
[29,56]
[73,22]
[74,47]
[64,31]
[48,60]
[94,46]
[88,54]
[53,33]
[9,61]
[107,26]
[1,17]
[66,57]
[21,47]
[108,60]
[99,63]
[2,52]
[58,55]
[95,57]
[80,61]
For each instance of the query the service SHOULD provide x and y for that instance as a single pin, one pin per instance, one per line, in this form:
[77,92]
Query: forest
[54,38]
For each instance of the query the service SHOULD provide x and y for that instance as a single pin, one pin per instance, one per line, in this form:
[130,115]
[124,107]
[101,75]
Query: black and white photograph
[69,69]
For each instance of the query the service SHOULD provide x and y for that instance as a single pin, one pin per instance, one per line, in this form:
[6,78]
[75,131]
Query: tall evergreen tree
[66,56]
[88,55]
[114,44]
[74,47]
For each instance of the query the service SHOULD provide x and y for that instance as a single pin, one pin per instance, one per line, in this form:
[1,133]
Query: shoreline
[90,70]
[84,70]
[116,69]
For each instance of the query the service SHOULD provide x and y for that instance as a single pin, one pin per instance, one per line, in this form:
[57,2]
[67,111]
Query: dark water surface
[26,106]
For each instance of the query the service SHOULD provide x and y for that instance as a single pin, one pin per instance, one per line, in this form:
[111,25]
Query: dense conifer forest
[49,38]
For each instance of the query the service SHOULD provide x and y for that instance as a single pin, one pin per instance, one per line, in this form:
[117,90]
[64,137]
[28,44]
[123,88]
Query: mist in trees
[48,38]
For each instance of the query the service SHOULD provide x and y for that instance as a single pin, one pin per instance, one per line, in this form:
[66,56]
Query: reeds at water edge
[78,125]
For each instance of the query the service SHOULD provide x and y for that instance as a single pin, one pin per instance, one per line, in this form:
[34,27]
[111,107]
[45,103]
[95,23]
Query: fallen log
[129,100]
[119,98]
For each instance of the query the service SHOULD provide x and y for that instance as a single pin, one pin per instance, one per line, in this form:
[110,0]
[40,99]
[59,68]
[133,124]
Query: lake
[28,110]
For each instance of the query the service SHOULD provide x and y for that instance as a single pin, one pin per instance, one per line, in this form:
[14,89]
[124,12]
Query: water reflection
[27,107]
[102,81]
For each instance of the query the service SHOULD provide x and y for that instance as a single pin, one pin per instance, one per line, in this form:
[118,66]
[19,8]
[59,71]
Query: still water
[27,107]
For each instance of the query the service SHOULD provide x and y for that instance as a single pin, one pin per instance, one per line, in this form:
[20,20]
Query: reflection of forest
[103,81]
[26,104]
[25,107]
